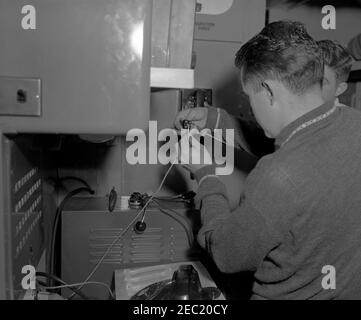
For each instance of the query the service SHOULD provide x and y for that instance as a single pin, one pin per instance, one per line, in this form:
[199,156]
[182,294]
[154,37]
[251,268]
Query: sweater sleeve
[240,240]
[220,119]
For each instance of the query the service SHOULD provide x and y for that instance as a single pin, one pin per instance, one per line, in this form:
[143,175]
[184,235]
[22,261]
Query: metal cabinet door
[92,58]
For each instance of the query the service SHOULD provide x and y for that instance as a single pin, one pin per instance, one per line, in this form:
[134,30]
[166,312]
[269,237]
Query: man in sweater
[300,216]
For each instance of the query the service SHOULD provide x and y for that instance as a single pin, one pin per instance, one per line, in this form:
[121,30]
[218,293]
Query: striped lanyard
[310,122]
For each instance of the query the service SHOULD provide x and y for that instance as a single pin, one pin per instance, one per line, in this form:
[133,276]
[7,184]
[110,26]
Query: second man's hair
[337,58]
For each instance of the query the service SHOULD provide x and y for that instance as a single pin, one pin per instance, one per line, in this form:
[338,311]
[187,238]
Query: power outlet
[20,97]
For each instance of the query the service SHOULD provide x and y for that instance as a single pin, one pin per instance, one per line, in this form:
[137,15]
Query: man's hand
[192,154]
[197,115]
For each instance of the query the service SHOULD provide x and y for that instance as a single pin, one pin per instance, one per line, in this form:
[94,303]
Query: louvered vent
[154,246]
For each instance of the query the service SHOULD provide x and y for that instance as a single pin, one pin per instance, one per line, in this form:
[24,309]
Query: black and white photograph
[182,157]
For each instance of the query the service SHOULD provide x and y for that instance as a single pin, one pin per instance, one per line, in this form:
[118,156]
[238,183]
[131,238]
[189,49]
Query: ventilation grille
[26,218]
[154,246]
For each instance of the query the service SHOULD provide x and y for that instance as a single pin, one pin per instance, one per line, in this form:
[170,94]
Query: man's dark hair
[337,58]
[282,51]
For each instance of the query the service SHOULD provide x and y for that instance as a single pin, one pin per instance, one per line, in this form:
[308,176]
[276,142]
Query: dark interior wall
[165,104]
[104,165]
[98,164]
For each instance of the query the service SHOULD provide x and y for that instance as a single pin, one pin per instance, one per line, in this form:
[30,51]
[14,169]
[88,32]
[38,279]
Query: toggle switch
[21,96]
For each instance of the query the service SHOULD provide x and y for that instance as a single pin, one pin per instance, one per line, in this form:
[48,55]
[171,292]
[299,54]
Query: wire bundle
[96,267]
[76,288]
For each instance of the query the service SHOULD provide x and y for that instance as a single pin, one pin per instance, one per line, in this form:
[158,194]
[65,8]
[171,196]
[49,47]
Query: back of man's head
[337,58]
[285,52]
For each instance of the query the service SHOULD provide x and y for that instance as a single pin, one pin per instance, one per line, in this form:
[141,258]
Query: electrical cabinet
[84,68]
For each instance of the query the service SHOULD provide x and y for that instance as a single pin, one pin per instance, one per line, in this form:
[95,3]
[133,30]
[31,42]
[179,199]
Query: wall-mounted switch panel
[20,96]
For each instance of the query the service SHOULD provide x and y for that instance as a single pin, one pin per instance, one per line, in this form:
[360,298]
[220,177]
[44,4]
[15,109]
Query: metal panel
[5,261]
[172,36]
[172,78]
[182,31]
[88,230]
[160,32]
[230,21]
[21,212]
[93,58]
[215,70]
[20,96]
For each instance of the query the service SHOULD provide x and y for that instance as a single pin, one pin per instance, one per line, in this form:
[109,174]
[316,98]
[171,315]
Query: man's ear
[269,89]
[341,88]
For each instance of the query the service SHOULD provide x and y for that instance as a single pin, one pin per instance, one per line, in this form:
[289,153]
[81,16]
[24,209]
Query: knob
[140,227]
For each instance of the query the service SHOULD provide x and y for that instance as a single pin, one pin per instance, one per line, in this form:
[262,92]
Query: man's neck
[297,106]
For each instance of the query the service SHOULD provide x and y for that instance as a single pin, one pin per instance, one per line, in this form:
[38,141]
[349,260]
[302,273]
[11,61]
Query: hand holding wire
[192,155]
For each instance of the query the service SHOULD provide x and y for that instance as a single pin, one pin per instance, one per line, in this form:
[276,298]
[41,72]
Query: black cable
[58,179]
[55,224]
[71,178]
[187,229]
[188,233]
[173,200]
[163,206]
[169,197]
[183,197]
[55,278]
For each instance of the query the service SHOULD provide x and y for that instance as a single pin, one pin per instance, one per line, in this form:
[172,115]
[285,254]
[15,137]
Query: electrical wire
[125,230]
[189,237]
[143,217]
[169,197]
[187,229]
[53,277]
[219,140]
[183,197]
[70,286]
[163,206]
[71,178]
[56,222]
[174,200]
[224,140]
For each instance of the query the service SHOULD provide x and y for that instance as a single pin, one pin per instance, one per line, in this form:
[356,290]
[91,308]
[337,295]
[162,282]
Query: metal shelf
[172,78]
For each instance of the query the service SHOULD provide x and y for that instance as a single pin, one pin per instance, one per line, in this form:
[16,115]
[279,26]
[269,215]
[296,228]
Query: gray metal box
[92,57]
[88,230]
